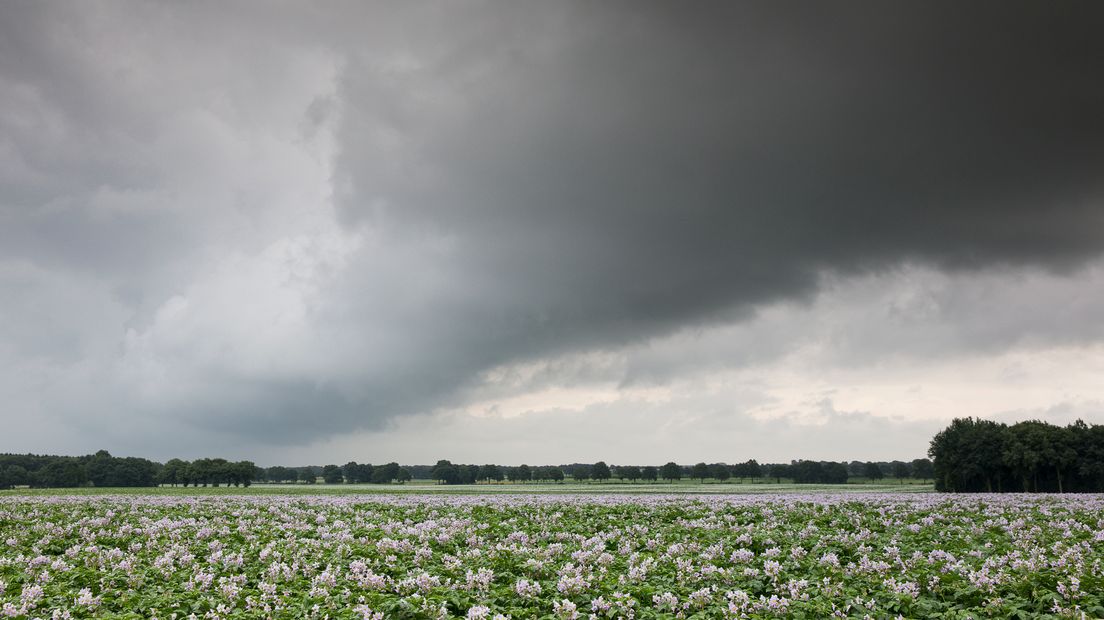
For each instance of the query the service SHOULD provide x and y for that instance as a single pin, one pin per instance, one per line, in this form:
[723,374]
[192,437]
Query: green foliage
[973,455]
[600,471]
[700,471]
[722,558]
[671,471]
[331,474]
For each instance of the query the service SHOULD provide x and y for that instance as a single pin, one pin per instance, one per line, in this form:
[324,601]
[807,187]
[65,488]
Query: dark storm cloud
[526,180]
[612,172]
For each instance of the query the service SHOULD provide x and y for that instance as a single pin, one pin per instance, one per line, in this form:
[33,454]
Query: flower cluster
[571,557]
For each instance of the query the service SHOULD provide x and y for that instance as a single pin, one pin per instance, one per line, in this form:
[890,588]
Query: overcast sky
[546,232]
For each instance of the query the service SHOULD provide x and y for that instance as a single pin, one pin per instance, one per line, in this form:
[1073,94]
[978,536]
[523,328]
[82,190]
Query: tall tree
[331,474]
[600,471]
[700,471]
[720,471]
[901,470]
[873,471]
[922,469]
[580,473]
[631,472]
[671,471]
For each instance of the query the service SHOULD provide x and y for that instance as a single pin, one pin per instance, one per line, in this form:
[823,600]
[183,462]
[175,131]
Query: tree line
[975,455]
[104,470]
[802,471]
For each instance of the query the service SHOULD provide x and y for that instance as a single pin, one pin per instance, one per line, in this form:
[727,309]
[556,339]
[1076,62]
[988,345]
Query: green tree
[700,471]
[720,471]
[649,473]
[386,473]
[445,472]
[331,474]
[491,472]
[580,473]
[351,472]
[13,476]
[778,471]
[244,473]
[600,471]
[524,473]
[873,471]
[922,469]
[172,472]
[671,471]
[631,472]
[901,470]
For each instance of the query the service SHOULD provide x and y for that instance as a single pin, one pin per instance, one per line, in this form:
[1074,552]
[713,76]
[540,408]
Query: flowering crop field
[547,556]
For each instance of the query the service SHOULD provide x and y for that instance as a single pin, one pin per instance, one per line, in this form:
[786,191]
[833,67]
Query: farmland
[413,555]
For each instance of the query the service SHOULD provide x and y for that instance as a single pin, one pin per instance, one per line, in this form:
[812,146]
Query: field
[221,554]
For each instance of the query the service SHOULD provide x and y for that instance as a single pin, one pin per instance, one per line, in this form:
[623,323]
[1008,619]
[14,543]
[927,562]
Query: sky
[546,232]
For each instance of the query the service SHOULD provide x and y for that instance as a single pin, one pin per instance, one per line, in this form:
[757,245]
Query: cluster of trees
[103,470]
[448,473]
[975,455]
[213,472]
[99,469]
[352,472]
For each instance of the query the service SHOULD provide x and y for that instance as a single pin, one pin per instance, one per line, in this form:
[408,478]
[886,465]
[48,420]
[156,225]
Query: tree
[973,455]
[444,472]
[386,473]
[901,470]
[807,472]
[649,473]
[172,472]
[331,474]
[632,472]
[491,472]
[405,475]
[468,473]
[834,473]
[278,473]
[720,471]
[580,473]
[778,471]
[922,469]
[671,471]
[548,472]
[61,473]
[748,469]
[873,471]
[307,475]
[753,469]
[351,472]
[244,473]
[600,471]
[366,472]
[13,476]
[700,471]
[520,473]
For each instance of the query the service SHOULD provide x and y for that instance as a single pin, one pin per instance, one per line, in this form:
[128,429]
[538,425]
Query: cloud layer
[224,229]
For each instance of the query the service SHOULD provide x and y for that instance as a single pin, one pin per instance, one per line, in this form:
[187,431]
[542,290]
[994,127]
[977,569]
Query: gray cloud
[291,223]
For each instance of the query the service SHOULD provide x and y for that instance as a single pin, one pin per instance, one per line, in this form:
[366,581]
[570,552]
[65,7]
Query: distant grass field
[430,487]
